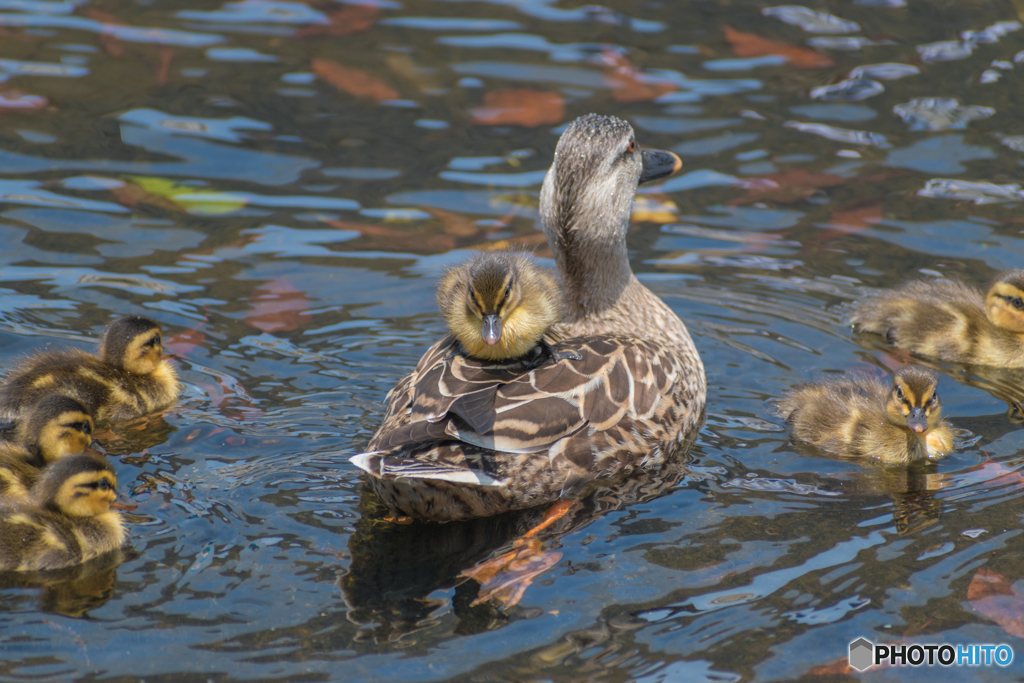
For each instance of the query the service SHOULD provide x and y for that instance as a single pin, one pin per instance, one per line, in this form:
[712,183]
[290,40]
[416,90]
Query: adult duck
[465,438]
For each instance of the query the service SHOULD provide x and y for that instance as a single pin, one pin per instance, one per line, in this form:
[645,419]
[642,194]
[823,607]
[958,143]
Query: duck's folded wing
[384,466]
[518,409]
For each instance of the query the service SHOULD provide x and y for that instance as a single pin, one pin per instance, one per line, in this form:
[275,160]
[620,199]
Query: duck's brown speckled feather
[536,433]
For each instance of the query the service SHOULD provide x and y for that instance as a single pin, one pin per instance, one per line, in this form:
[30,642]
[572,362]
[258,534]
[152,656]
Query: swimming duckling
[952,321]
[56,427]
[860,416]
[129,379]
[499,305]
[67,519]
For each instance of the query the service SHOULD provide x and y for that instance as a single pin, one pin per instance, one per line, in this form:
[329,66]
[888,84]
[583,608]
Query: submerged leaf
[751,45]
[278,306]
[355,82]
[520,107]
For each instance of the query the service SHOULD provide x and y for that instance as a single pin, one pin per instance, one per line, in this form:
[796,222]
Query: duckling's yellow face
[144,352]
[914,400]
[492,300]
[87,494]
[1004,306]
[67,433]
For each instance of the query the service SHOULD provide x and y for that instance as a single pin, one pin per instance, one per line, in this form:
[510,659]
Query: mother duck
[465,438]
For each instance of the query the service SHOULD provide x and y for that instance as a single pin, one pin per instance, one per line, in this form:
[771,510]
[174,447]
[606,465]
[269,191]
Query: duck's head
[597,167]
[1004,302]
[77,486]
[133,343]
[499,304]
[56,427]
[914,399]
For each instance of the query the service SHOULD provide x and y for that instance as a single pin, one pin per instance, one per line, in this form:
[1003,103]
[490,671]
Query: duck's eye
[899,393]
[631,147]
[934,399]
[104,485]
[508,291]
[1018,303]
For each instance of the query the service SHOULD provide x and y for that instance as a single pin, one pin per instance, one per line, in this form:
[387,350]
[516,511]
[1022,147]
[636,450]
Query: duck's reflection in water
[489,561]
[71,591]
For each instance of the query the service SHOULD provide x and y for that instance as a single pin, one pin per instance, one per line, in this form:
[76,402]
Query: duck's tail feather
[382,466]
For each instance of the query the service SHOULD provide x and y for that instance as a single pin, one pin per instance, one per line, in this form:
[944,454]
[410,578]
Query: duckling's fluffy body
[952,321]
[67,519]
[860,416]
[129,379]
[464,437]
[56,427]
[498,304]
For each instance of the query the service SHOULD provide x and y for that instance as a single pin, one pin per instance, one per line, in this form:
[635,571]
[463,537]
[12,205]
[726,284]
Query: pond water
[279,185]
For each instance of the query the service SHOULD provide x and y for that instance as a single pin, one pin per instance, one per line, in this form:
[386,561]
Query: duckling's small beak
[658,164]
[96,449]
[123,502]
[917,420]
[490,330]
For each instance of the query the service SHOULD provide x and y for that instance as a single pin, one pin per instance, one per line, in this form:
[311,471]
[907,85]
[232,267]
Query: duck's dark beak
[490,330]
[658,164]
[917,420]
[96,449]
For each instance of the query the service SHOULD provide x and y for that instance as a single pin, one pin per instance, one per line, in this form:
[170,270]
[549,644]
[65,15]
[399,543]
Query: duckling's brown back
[17,472]
[33,539]
[72,373]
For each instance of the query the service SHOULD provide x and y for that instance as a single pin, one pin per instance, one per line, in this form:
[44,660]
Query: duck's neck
[595,277]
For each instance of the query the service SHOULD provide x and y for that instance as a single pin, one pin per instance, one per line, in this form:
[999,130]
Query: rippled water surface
[279,185]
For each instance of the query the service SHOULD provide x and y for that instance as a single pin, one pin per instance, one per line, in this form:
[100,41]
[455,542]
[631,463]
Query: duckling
[952,321]
[499,305]
[56,427]
[860,416]
[67,519]
[129,379]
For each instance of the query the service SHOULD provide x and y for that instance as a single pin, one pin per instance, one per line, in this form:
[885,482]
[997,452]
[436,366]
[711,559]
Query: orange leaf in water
[995,598]
[788,186]
[162,69]
[278,306]
[520,107]
[345,21]
[131,195]
[355,82]
[14,101]
[847,221]
[626,82]
[183,343]
[751,45]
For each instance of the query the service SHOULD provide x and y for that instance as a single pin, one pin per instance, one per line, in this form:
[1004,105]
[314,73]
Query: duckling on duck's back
[56,427]
[860,416]
[129,379]
[463,438]
[67,519]
[499,304]
[952,321]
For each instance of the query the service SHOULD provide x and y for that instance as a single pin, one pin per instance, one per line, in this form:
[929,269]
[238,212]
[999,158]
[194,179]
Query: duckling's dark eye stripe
[1014,301]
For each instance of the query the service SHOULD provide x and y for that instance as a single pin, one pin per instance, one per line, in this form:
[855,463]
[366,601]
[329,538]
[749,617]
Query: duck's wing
[516,408]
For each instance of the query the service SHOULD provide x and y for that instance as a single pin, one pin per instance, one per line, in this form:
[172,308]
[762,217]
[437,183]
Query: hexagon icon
[862,654]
